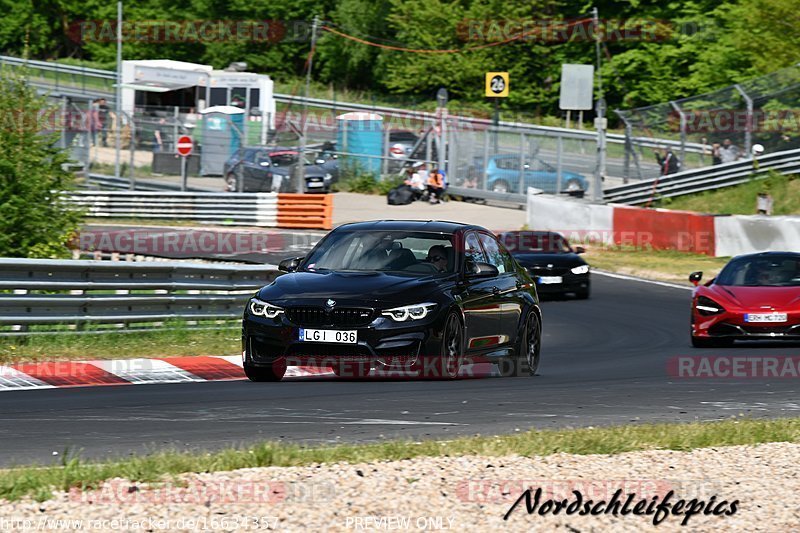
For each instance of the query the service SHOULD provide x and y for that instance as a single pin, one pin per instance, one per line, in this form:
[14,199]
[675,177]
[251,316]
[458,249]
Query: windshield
[773,271]
[536,243]
[416,253]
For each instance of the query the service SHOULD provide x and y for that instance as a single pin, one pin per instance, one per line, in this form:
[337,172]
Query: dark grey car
[261,169]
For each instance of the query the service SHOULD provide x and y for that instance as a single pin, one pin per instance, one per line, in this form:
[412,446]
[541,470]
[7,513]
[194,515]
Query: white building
[190,87]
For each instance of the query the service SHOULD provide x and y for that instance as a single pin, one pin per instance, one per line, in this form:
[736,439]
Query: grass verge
[39,482]
[171,340]
[741,199]
[661,265]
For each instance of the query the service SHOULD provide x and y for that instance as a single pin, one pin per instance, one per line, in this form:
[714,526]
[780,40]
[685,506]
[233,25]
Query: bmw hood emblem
[330,303]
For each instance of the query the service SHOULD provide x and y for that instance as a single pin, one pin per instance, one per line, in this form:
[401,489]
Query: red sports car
[754,297]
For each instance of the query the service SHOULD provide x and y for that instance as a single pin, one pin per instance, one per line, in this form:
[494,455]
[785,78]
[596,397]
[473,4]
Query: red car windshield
[773,271]
[536,243]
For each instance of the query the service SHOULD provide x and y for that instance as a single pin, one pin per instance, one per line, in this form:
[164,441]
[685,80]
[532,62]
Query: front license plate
[549,280]
[315,184]
[765,317]
[335,336]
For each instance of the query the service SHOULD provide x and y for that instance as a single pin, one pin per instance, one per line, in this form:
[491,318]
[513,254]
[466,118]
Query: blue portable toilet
[361,134]
[223,129]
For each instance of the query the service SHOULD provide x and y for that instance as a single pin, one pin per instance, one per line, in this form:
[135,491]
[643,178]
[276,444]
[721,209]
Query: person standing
[102,115]
[158,136]
[729,152]
[668,163]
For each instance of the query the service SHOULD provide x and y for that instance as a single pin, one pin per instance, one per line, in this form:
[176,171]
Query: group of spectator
[727,152]
[420,179]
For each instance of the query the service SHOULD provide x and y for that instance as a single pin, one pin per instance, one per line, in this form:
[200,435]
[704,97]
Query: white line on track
[643,280]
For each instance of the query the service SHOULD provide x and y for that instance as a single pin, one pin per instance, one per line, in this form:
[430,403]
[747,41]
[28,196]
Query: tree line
[653,51]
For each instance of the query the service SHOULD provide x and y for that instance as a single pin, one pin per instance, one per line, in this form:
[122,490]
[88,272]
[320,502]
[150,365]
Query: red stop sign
[184,145]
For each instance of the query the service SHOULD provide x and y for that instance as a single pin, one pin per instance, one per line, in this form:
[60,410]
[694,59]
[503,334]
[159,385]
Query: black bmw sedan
[554,264]
[424,297]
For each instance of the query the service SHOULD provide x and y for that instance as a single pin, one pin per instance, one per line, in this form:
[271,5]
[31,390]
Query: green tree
[34,220]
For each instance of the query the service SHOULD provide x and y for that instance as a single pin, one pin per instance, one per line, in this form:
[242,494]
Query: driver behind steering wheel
[437,256]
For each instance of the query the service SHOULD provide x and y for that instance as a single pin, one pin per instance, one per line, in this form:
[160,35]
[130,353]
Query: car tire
[273,372]
[230,182]
[501,186]
[448,364]
[526,358]
[574,188]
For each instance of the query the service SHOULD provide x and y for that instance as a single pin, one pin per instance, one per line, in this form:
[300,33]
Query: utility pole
[118,95]
[301,169]
[600,120]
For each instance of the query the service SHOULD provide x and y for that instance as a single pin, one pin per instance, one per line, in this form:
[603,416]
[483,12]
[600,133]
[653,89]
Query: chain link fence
[729,122]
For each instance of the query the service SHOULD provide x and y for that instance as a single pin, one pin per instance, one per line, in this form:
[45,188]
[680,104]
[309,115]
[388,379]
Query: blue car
[503,175]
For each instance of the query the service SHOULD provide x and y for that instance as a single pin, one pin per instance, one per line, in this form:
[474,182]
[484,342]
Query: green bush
[34,220]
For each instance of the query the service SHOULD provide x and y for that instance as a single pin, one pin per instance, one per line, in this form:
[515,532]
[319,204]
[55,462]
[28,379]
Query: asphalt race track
[604,362]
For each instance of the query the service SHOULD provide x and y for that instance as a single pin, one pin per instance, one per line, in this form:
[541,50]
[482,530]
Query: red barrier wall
[663,229]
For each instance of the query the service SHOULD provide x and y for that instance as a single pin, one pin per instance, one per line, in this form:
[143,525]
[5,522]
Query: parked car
[263,169]
[424,296]
[329,161]
[503,175]
[556,266]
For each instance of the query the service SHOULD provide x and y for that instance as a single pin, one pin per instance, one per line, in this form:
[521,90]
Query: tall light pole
[600,120]
[118,95]
[301,173]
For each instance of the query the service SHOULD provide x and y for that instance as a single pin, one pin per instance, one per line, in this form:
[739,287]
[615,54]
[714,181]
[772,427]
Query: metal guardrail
[124,184]
[258,209]
[44,292]
[704,179]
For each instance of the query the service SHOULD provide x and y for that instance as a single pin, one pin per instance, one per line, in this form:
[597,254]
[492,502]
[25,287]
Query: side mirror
[695,277]
[290,265]
[580,250]
[477,269]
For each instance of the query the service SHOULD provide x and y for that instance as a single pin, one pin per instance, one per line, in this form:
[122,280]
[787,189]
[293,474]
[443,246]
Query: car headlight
[267,310]
[583,269]
[328,177]
[409,312]
[707,306]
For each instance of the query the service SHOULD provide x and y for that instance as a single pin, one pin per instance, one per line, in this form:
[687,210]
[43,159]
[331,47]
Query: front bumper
[381,343]
[732,325]
[570,283]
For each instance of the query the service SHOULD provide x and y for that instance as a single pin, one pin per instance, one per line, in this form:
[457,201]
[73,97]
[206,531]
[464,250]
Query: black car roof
[439,226]
[769,254]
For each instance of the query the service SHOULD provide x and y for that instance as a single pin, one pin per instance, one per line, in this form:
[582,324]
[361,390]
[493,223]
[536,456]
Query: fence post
[748,129]
[521,162]
[559,162]
[485,158]
[682,116]
[132,146]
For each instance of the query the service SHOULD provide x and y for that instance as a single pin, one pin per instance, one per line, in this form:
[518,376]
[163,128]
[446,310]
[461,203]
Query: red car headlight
[708,307]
